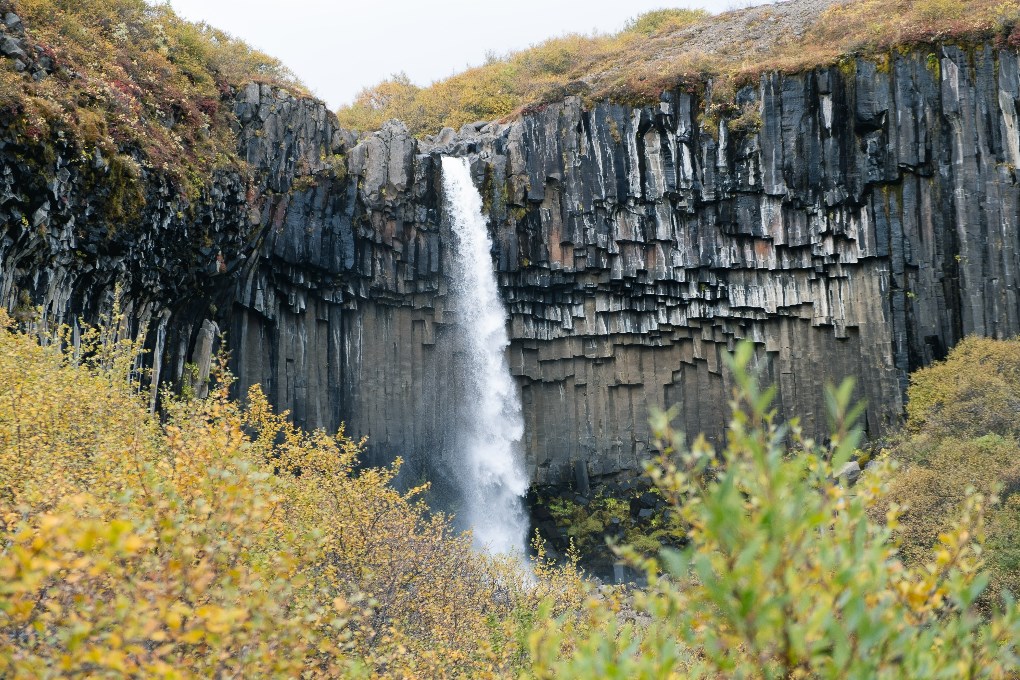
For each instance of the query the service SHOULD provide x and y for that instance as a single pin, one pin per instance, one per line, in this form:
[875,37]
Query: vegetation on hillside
[667,49]
[132,83]
[963,431]
[638,517]
[221,541]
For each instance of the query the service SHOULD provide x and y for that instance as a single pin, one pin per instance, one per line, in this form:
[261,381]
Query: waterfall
[491,471]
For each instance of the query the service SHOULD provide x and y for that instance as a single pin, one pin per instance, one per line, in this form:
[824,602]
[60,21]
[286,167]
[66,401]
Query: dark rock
[12,22]
[649,500]
[849,473]
[11,47]
[868,224]
[581,480]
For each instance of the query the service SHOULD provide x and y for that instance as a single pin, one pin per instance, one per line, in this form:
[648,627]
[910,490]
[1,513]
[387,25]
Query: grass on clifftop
[134,82]
[666,48]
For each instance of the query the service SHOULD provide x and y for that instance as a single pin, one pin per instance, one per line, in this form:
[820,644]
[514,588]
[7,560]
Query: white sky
[338,47]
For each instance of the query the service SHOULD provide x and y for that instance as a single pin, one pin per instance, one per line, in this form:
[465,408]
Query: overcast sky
[338,47]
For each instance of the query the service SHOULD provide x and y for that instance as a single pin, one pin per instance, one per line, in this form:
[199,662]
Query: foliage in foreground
[661,50]
[223,542]
[786,575]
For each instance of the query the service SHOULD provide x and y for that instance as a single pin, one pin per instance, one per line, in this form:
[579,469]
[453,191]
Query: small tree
[785,575]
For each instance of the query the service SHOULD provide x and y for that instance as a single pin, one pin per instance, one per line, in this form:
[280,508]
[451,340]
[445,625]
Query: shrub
[932,485]
[128,550]
[962,431]
[223,541]
[975,392]
[787,576]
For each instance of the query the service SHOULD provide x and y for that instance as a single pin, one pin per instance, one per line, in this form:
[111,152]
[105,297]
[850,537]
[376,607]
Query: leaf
[675,561]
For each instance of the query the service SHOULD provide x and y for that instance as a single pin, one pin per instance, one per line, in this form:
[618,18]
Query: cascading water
[492,479]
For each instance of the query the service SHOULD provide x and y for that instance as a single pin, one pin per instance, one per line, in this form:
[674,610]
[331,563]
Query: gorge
[862,224]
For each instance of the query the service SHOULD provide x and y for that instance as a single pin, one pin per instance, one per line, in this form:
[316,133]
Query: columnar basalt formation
[855,220]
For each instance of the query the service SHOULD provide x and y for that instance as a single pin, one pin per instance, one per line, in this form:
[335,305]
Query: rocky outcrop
[854,220]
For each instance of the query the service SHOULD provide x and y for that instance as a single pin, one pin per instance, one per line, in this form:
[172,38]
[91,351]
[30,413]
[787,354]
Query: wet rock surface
[861,223]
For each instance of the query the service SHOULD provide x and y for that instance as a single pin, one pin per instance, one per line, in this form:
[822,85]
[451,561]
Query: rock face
[854,220]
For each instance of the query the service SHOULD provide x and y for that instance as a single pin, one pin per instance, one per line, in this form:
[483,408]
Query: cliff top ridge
[666,48]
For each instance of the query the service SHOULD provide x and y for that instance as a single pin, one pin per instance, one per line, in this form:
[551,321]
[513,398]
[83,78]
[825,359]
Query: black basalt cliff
[866,219]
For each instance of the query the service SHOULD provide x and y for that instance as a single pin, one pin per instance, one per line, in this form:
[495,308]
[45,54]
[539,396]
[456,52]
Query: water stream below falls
[491,473]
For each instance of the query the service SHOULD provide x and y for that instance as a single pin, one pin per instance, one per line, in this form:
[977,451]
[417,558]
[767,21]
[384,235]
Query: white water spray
[493,481]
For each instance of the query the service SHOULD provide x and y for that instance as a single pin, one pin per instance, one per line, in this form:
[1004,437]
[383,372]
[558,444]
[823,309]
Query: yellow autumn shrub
[223,541]
[974,392]
[129,548]
[962,432]
[218,540]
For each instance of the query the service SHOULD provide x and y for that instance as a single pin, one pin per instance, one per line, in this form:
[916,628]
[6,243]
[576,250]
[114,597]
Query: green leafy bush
[787,576]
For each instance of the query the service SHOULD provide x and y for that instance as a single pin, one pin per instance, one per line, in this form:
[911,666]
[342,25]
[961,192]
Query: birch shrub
[224,542]
[786,575]
[963,431]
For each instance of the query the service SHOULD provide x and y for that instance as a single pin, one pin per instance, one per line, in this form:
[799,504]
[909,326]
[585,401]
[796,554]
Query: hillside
[663,49]
[127,82]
